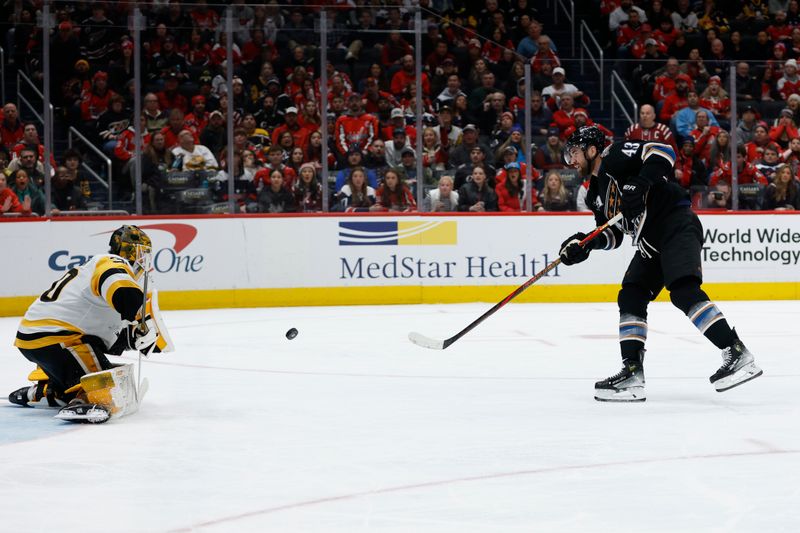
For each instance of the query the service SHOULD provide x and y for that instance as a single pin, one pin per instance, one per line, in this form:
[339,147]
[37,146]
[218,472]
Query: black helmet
[584,137]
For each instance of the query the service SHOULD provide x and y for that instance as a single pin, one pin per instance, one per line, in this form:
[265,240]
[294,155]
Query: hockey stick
[436,344]
[142,325]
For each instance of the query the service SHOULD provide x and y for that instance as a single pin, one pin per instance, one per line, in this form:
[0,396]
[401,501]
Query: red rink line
[484,477]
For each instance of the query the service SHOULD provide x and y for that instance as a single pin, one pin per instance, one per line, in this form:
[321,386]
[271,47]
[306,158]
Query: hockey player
[634,177]
[89,312]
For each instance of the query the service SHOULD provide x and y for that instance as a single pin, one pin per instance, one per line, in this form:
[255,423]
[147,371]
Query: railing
[570,14]
[2,75]
[597,61]
[103,157]
[21,99]
[98,213]
[617,81]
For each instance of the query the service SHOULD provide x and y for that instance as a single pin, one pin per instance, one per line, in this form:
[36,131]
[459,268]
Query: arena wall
[263,261]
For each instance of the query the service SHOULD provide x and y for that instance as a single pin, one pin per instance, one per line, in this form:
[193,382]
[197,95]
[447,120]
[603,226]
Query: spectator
[408,169]
[511,191]
[447,133]
[782,194]
[720,150]
[98,36]
[555,196]
[580,196]
[621,14]
[647,129]
[769,162]
[406,76]
[544,54]
[275,197]
[443,198]
[689,169]
[395,147]
[112,123]
[356,196]
[703,135]
[398,121]
[784,129]
[747,87]
[789,83]
[214,134]
[356,129]
[715,98]
[72,160]
[460,154]
[717,61]
[746,126]
[394,195]
[686,118]
[157,159]
[275,157]
[11,129]
[791,156]
[477,158]
[170,97]
[307,190]
[676,100]
[529,45]
[433,156]
[684,18]
[191,156]
[694,67]
[28,194]
[28,162]
[755,148]
[476,195]
[720,196]
[156,118]
[479,96]
[450,92]
[512,144]
[747,172]
[552,93]
[176,125]
[551,155]
[66,196]
[564,117]
[9,202]
[30,140]
[375,158]
[355,159]
[197,119]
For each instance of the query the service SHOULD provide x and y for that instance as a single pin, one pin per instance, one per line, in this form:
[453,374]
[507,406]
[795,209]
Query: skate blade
[92,416]
[632,394]
[747,373]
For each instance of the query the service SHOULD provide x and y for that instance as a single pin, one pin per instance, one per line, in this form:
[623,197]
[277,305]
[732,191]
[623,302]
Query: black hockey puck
[291,334]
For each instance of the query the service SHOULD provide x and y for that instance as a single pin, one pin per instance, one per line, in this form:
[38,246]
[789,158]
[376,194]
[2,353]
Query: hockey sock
[632,336]
[711,322]
[687,296]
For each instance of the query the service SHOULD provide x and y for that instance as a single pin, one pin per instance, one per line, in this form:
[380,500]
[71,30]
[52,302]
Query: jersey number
[630,149]
[51,294]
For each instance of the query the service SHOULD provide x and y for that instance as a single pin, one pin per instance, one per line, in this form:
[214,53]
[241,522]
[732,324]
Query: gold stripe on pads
[321,296]
[48,340]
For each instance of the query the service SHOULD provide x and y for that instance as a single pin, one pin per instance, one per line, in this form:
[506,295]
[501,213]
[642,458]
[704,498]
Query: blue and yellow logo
[397,233]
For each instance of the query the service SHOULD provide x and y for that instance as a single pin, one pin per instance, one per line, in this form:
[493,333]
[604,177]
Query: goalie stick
[436,344]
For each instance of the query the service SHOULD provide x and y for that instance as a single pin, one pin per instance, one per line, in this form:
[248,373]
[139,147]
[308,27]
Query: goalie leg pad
[114,389]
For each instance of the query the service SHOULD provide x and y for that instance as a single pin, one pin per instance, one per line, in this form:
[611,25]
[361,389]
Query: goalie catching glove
[572,252]
[133,338]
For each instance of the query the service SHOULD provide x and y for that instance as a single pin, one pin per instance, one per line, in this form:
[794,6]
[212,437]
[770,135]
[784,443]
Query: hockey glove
[634,202]
[572,252]
[144,340]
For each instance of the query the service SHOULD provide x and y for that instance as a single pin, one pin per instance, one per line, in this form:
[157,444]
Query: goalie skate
[84,412]
[738,366]
[627,385]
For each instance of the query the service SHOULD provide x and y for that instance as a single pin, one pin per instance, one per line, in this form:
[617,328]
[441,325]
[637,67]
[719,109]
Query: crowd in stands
[677,56]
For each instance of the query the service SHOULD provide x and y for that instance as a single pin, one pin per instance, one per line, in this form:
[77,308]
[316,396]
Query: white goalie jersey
[80,303]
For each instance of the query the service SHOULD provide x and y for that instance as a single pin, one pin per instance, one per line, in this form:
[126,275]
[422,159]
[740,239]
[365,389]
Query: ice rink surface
[350,428]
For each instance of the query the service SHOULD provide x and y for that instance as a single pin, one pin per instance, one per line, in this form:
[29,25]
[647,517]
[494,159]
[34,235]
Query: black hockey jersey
[642,161]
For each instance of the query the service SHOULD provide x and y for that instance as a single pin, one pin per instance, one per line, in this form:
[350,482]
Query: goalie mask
[580,141]
[133,245]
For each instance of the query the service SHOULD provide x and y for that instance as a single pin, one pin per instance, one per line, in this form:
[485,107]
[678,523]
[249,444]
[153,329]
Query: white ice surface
[350,428]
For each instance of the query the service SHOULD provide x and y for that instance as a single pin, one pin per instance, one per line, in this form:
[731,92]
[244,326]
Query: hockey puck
[291,334]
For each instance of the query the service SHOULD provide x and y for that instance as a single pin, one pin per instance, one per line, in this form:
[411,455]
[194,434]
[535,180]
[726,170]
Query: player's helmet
[583,138]
[132,244]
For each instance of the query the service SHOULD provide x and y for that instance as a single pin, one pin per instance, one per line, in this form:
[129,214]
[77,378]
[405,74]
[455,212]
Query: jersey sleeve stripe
[659,149]
[107,274]
[50,323]
[104,265]
[118,284]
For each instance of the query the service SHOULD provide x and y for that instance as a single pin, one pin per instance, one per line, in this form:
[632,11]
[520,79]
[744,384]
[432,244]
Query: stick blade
[426,342]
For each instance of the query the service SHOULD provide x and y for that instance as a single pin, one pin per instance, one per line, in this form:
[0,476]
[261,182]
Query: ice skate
[80,411]
[627,385]
[35,395]
[738,366]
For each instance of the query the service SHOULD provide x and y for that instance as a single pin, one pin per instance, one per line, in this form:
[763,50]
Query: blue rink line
[20,424]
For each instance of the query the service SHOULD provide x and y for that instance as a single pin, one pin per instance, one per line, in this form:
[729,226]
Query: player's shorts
[65,364]
[677,254]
